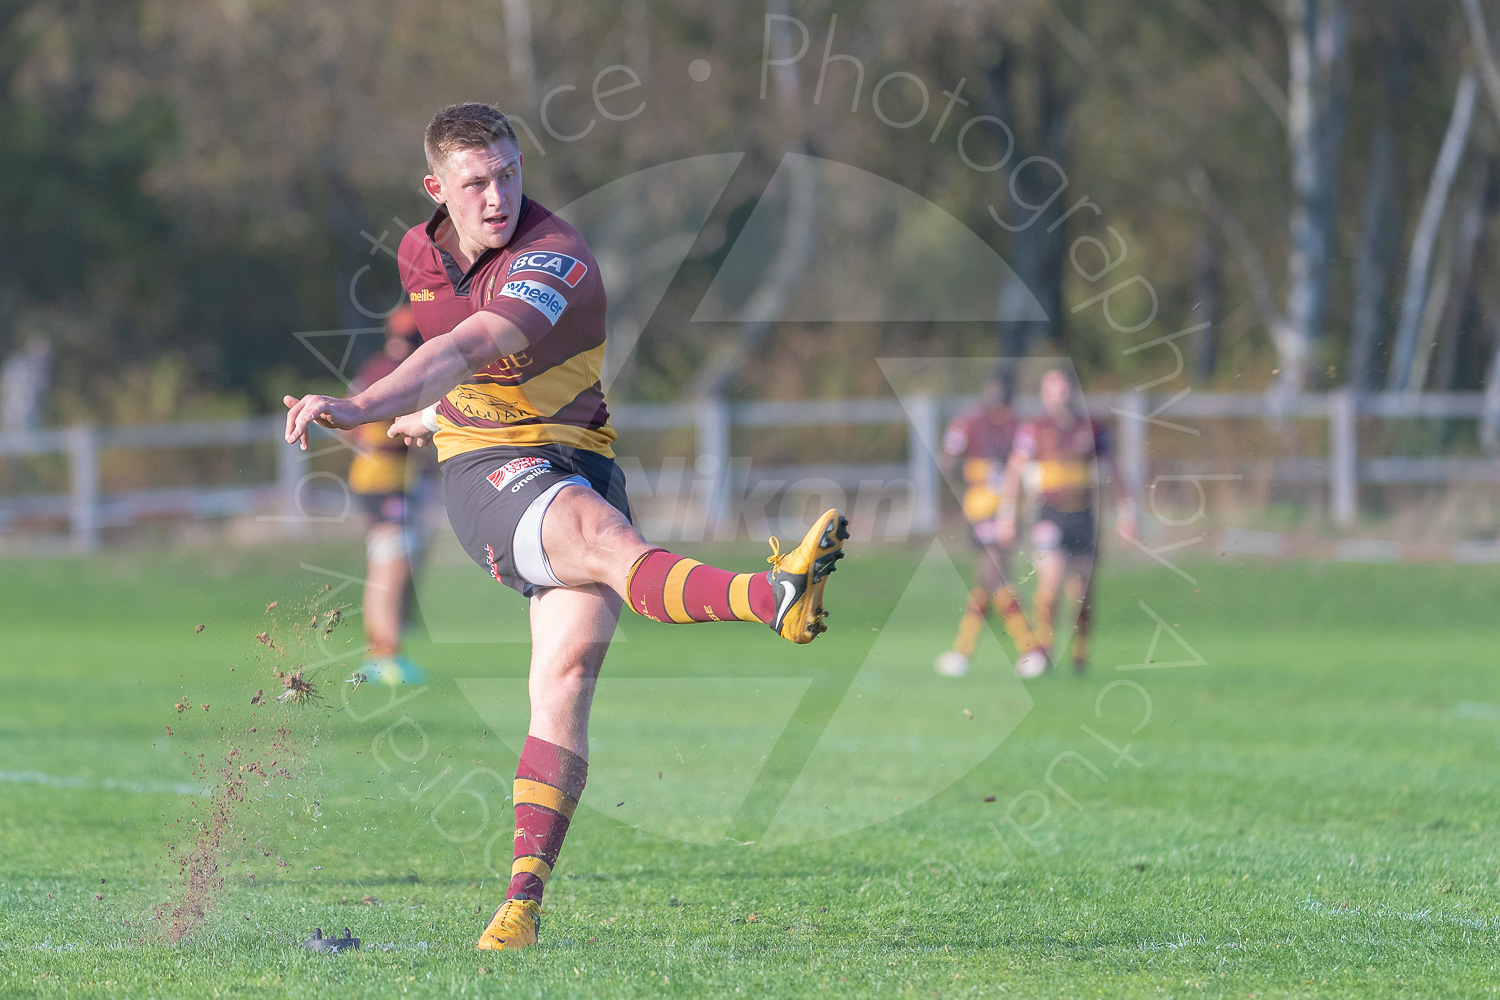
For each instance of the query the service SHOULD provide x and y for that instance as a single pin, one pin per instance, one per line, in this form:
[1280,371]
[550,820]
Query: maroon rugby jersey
[379,464]
[546,282]
[1062,459]
[982,436]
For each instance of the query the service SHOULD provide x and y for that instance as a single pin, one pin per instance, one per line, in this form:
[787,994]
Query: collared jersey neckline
[457,277]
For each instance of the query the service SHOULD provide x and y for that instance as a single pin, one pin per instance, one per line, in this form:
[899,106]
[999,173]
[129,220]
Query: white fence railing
[720,485]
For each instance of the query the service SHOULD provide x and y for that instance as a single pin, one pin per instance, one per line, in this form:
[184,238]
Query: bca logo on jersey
[569,269]
[510,470]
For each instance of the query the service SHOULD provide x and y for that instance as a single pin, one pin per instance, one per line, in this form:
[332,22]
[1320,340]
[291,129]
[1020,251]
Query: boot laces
[516,916]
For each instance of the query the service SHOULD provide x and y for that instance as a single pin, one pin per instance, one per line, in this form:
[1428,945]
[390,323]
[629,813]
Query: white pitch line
[106,784]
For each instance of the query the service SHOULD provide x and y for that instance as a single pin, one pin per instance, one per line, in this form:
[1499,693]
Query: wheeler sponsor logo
[543,299]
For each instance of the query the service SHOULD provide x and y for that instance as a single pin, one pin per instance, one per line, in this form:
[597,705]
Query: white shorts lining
[530,557]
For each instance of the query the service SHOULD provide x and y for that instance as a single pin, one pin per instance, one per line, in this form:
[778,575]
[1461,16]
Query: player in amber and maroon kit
[387,487]
[1062,456]
[511,309]
[980,439]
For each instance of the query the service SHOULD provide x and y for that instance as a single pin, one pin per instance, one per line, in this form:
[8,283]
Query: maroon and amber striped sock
[549,781]
[666,587]
[1015,620]
[1081,631]
[976,608]
[1044,605]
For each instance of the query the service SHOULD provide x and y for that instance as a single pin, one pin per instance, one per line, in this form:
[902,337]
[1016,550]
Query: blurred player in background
[1061,456]
[384,483]
[980,438]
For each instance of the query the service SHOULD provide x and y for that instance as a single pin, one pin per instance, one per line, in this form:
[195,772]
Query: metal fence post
[1135,463]
[713,420]
[290,462]
[1343,456]
[83,471]
[922,437]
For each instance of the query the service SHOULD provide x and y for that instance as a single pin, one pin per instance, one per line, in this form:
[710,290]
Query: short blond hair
[465,126]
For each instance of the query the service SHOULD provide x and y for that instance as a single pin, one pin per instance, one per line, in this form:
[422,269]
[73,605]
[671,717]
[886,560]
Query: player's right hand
[330,411]
[411,428]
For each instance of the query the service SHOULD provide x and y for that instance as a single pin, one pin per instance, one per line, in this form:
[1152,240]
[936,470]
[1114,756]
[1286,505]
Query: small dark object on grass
[266,640]
[297,690]
[258,695]
[331,945]
[200,628]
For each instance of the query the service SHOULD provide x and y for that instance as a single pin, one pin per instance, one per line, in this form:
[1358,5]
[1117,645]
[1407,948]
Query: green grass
[1312,814]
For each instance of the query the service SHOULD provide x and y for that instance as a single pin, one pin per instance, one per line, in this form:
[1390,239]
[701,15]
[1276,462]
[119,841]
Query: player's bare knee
[605,540]
[564,684]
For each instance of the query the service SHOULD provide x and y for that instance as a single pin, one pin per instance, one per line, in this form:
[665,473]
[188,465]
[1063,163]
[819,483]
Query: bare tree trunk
[1374,258]
[1469,226]
[1419,263]
[1038,253]
[1489,71]
[1208,286]
[1489,421]
[1317,110]
[1432,312]
[1254,265]
[521,63]
[799,236]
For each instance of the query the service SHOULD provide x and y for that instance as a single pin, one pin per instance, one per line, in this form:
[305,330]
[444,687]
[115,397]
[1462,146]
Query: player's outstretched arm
[423,378]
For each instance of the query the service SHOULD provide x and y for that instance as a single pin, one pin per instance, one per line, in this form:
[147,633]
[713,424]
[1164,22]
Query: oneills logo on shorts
[502,476]
[425,295]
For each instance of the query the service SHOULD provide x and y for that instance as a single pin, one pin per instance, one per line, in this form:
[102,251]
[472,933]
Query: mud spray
[270,748]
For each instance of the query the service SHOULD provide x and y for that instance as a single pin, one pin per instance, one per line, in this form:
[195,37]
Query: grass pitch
[1310,812]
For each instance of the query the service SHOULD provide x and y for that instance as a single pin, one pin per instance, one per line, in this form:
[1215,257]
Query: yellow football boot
[513,925]
[797,578]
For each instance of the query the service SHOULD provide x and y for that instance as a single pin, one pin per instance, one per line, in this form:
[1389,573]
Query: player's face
[1056,393]
[482,189]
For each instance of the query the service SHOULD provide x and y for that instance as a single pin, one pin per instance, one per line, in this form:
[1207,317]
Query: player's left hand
[411,429]
[330,411]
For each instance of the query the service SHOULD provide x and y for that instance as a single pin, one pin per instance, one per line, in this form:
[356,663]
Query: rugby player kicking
[509,303]
[1059,452]
[981,438]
